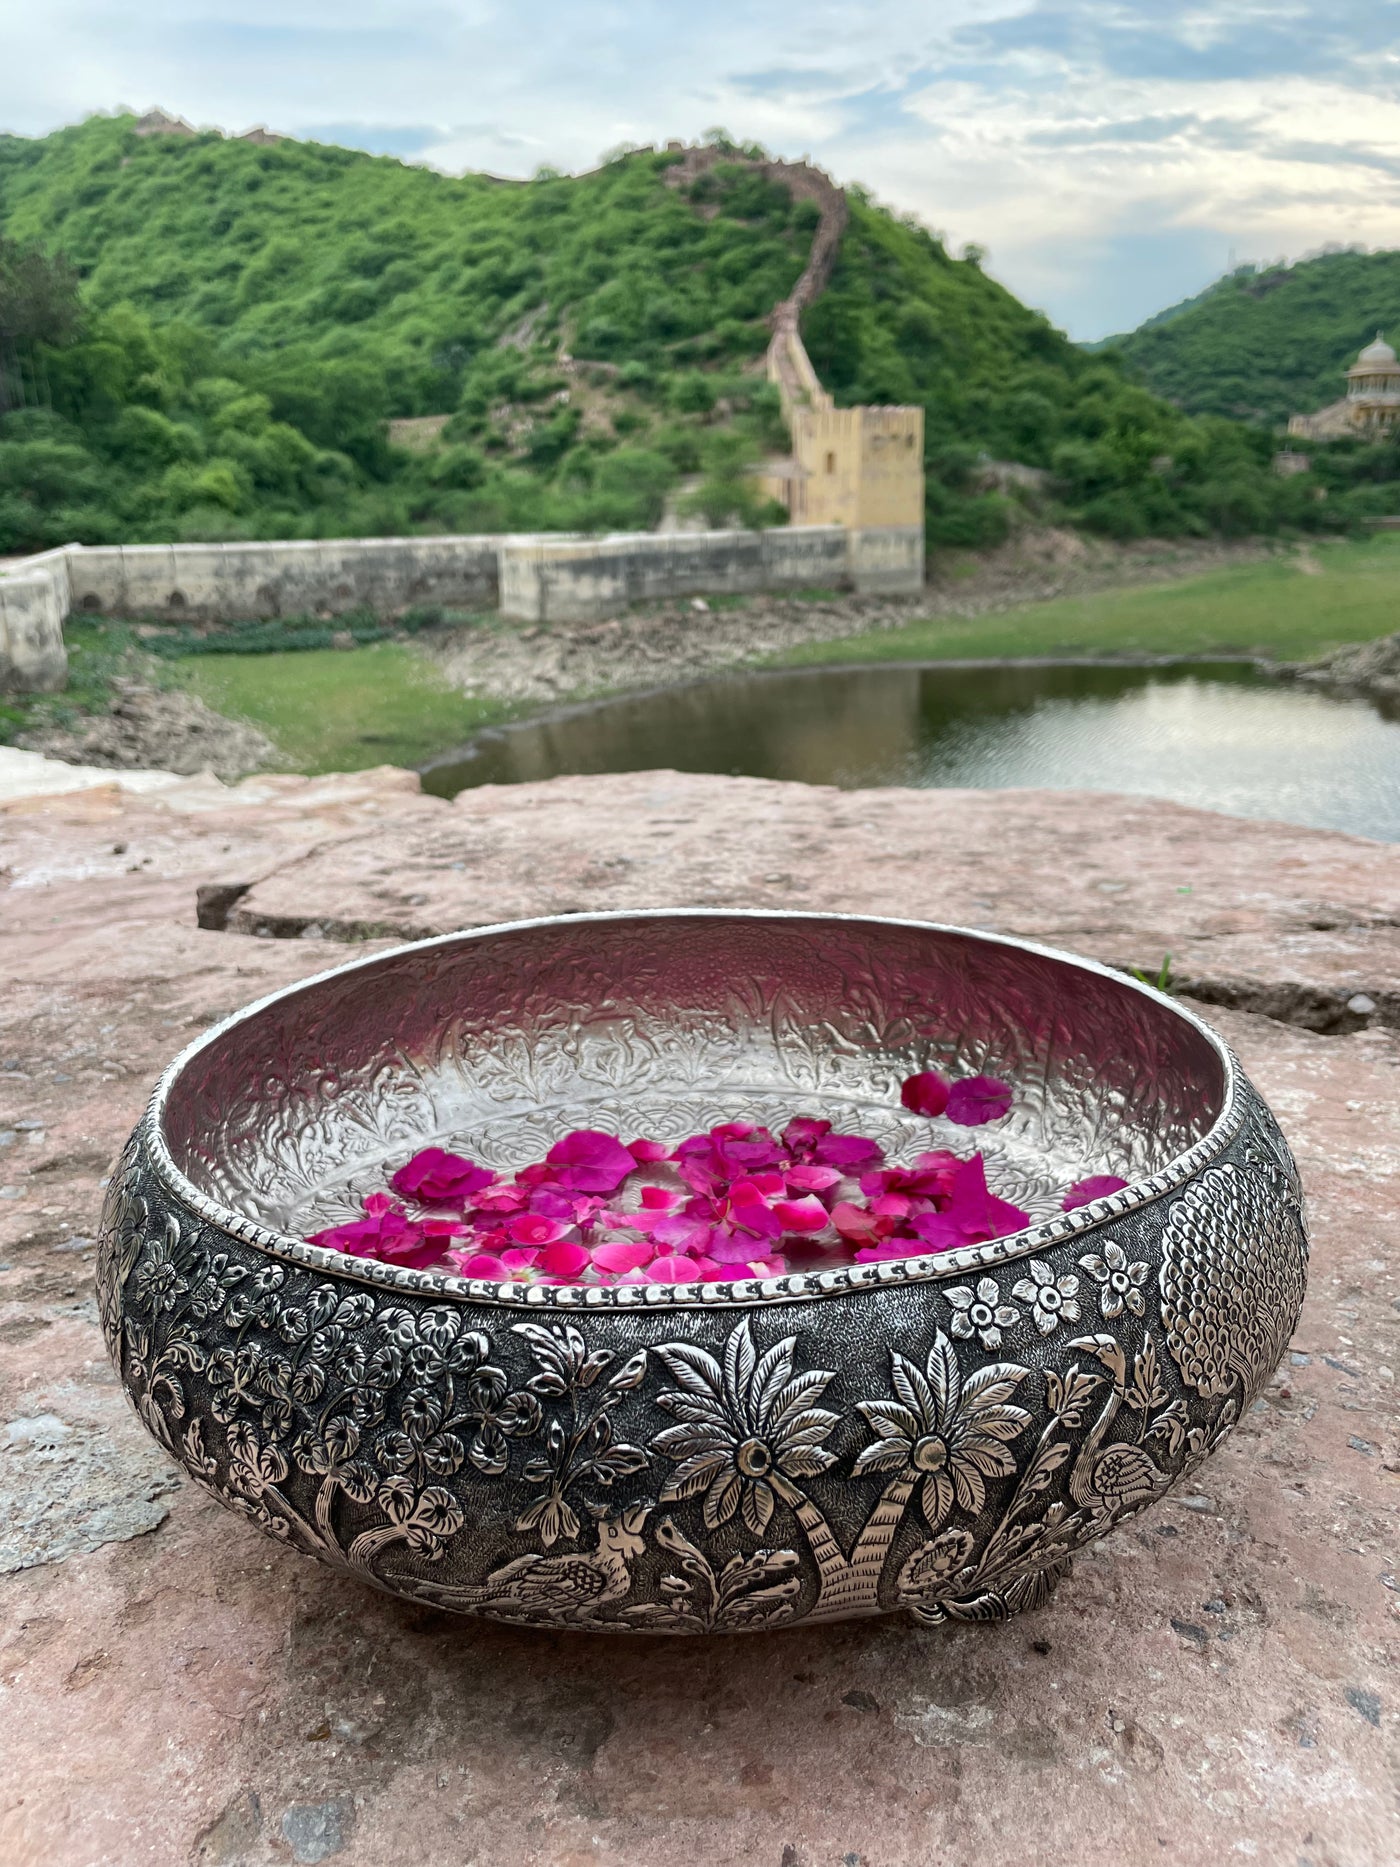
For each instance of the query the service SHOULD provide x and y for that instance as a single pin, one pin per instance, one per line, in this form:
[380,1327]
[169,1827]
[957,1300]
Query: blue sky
[1112,155]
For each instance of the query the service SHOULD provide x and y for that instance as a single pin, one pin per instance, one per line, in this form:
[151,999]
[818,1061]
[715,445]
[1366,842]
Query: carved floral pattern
[807,1461]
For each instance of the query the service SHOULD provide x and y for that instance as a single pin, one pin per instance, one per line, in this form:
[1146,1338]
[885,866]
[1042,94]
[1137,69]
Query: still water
[1220,735]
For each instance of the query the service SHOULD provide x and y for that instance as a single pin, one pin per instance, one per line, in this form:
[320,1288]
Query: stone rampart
[34,599]
[239,582]
[551,576]
[546,580]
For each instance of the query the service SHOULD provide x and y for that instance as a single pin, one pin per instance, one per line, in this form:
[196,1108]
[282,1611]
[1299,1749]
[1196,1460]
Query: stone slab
[1215,1681]
[1295,923]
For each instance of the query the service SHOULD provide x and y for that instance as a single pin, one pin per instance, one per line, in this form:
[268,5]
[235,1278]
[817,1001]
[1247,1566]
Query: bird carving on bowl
[1112,1479]
[563,1590]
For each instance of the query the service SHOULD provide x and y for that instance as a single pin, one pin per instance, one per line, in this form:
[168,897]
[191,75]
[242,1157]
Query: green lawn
[330,709]
[1275,608]
[342,709]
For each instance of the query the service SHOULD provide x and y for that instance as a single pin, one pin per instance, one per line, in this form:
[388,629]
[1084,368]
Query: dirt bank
[688,638]
[160,728]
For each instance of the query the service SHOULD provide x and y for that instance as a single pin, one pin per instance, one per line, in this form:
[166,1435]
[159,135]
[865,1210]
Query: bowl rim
[808,1286]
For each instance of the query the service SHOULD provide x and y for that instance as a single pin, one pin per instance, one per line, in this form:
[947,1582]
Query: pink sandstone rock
[1215,1681]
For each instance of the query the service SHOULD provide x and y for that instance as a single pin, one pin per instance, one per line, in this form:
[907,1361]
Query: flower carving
[931,1570]
[744,1430]
[947,1434]
[1121,1283]
[158,1285]
[1051,1299]
[980,1312]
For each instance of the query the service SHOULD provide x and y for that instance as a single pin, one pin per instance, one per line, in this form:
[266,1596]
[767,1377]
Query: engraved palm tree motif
[1232,1279]
[945,1434]
[748,1429]
[567,1589]
[1117,1477]
[745,1430]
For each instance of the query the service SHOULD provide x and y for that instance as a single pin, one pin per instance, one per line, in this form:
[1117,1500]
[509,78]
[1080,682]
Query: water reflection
[1219,735]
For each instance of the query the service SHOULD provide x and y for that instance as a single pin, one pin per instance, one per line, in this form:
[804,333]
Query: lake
[1220,735]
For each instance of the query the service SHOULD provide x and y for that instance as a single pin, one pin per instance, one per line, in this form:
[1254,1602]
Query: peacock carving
[1232,1276]
[565,1590]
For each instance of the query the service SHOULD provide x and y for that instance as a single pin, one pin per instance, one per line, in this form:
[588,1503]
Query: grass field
[343,709]
[330,709]
[1291,607]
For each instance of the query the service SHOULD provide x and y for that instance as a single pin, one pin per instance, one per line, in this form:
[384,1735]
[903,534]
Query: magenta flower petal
[563,1259]
[802,1134]
[623,1254]
[358,1239]
[435,1177]
[802,1215]
[672,1270]
[888,1248]
[479,1264]
[856,1224]
[535,1230]
[813,1179]
[660,1199]
[679,1232]
[519,1258]
[937,1231]
[850,1152]
[750,1209]
[974,1100]
[589,1161]
[1097,1186]
[731,1247]
[925,1094]
[550,1203]
[501,1198]
[646,1152]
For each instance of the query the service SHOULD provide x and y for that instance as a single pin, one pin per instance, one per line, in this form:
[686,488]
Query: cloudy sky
[1112,155]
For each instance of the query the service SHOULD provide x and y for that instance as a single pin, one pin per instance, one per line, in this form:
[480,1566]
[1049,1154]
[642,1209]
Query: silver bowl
[936,1434]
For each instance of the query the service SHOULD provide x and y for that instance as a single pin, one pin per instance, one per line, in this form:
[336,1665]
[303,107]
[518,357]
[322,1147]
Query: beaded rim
[794,1285]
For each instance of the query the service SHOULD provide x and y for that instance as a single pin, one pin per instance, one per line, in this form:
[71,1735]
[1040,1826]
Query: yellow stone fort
[858,467]
[1371,405]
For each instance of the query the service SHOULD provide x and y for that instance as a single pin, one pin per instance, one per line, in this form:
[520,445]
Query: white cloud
[1111,153]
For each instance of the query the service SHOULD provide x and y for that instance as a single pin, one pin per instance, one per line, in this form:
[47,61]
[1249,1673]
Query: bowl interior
[496,1043]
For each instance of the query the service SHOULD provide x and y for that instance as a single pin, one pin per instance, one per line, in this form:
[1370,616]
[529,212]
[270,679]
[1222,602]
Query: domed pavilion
[1371,405]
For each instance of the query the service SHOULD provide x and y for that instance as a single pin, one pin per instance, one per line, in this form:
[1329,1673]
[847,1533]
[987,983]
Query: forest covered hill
[204,337]
[1264,344]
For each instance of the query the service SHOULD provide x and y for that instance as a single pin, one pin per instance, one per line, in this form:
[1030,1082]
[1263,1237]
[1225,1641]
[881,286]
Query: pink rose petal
[813,1179]
[623,1254]
[1085,1192]
[925,1094]
[589,1161]
[563,1259]
[673,1270]
[646,1152]
[802,1215]
[974,1100]
[479,1264]
[533,1229]
[436,1178]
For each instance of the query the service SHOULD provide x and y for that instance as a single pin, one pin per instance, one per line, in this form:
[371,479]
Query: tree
[38,306]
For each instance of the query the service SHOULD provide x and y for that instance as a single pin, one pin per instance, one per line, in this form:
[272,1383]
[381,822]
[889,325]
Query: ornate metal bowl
[937,1434]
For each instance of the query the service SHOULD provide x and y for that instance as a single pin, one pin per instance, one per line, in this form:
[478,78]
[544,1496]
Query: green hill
[1262,345]
[249,317]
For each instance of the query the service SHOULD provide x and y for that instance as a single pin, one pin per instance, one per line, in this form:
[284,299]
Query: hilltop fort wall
[853,490]
[861,468]
[538,577]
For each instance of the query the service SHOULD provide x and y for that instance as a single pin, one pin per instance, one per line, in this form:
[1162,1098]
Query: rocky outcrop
[1215,1681]
[1363,668]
